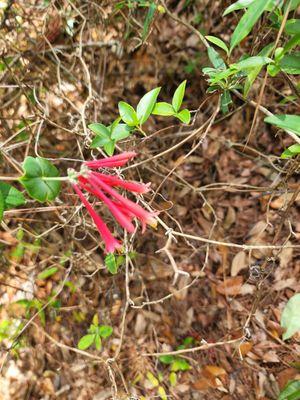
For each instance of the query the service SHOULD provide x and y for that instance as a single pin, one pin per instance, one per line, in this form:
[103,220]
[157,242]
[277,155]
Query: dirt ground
[218,269]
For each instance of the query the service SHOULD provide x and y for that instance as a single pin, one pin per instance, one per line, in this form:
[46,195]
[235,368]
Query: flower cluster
[101,185]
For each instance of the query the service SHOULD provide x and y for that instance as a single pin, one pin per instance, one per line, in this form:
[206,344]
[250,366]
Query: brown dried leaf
[231,286]
[238,263]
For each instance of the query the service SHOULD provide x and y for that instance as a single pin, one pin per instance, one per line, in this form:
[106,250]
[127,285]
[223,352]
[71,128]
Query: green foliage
[166,109]
[247,21]
[113,262]
[38,179]
[291,391]
[286,122]
[10,197]
[47,273]
[291,151]
[146,105]
[290,318]
[218,42]
[95,335]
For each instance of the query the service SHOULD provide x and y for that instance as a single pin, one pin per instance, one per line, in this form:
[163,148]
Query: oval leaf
[291,151]
[85,342]
[290,318]
[286,122]
[291,391]
[178,96]
[12,197]
[99,129]
[105,331]
[218,42]
[184,116]
[164,109]
[146,105]
[120,131]
[47,273]
[36,172]
[128,114]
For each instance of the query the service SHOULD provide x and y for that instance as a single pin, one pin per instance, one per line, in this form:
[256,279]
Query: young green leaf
[128,114]
[146,105]
[109,148]
[173,378]
[180,364]
[178,96]
[99,129]
[12,197]
[152,379]
[291,151]
[292,26]
[251,75]
[166,359]
[218,42]
[291,391]
[120,131]
[98,342]
[225,101]
[164,109]
[100,140]
[105,331]
[251,63]
[215,58]
[286,122]
[290,64]
[162,393]
[110,263]
[294,41]
[238,5]
[148,20]
[247,21]
[290,318]
[184,116]
[86,341]
[36,172]
[47,273]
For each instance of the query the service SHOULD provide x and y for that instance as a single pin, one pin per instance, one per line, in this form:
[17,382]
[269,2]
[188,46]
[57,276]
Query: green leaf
[180,364]
[128,114]
[251,63]
[247,21]
[291,151]
[286,122]
[105,331]
[215,58]
[218,42]
[109,148]
[166,359]
[184,116]
[120,131]
[85,342]
[294,41]
[1,206]
[290,64]
[273,69]
[178,96]
[111,264]
[36,172]
[291,391]
[12,197]
[99,129]
[164,109]
[146,105]
[251,75]
[47,273]
[148,20]
[225,101]
[98,342]
[173,378]
[100,141]
[292,6]
[292,26]
[238,5]
[290,318]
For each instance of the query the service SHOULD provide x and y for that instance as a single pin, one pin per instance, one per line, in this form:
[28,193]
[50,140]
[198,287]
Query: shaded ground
[227,192]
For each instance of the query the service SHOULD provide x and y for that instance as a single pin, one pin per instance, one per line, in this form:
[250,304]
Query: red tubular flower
[110,162]
[144,216]
[101,185]
[131,186]
[110,242]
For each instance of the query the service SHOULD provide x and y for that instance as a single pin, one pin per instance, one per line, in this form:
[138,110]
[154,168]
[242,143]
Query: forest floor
[219,191]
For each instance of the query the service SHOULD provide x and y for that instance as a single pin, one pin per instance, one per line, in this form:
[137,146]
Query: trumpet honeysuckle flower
[101,185]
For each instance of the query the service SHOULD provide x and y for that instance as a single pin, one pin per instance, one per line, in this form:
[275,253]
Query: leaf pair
[167,110]
[108,136]
[138,117]
[95,335]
